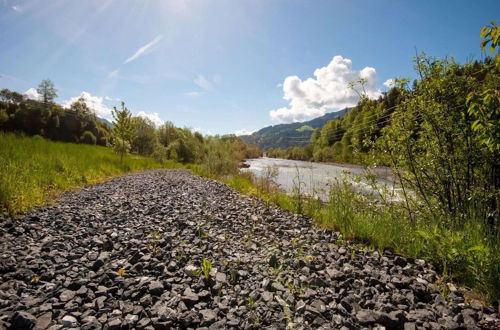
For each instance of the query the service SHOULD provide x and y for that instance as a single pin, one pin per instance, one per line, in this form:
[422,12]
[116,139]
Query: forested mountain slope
[288,135]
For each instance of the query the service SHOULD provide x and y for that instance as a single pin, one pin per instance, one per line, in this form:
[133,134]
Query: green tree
[146,139]
[47,90]
[123,129]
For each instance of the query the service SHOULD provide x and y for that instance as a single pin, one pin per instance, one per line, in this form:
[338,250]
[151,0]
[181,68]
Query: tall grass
[33,170]
[467,253]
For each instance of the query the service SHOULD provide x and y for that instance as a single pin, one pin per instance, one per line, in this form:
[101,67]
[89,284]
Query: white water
[315,178]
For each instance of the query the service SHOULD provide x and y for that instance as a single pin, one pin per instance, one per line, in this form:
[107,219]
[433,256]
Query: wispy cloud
[113,74]
[202,82]
[193,94]
[17,9]
[207,83]
[144,49]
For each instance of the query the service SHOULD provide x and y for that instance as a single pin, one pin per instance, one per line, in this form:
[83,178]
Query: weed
[250,302]
[206,266]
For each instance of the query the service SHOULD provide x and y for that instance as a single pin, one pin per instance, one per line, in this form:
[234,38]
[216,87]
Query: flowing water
[316,178]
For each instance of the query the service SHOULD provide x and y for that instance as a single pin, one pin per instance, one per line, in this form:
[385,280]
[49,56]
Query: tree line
[129,134]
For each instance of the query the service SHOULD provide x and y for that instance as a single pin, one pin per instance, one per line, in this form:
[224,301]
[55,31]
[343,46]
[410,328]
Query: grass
[34,170]
[466,253]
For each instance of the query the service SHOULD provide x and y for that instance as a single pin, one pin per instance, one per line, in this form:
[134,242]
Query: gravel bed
[128,254]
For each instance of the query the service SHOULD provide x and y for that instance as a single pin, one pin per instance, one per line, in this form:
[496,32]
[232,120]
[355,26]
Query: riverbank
[170,249]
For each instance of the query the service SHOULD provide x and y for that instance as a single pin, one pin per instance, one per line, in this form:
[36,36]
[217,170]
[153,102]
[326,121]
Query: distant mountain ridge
[289,135]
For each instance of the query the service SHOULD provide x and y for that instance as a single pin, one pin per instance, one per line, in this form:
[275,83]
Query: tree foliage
[47,90]
[123,129]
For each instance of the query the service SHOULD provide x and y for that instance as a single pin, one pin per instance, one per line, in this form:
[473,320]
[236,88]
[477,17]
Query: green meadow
[33,170]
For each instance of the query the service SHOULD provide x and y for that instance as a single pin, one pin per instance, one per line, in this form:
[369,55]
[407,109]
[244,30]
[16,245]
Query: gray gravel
[270,269]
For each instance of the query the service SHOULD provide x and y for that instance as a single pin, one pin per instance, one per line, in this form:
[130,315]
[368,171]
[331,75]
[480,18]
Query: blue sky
[223,66]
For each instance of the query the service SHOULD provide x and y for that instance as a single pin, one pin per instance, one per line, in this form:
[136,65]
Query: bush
[88,138]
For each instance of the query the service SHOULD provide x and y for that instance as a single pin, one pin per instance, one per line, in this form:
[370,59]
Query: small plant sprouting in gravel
[248,239]
[201,232]
[274,262]
[35,278]
[180,256]
[234,276]
[250,303]
[309,259]
[121,272]
[353,254]
[155,237]
[208,217]
[206,266]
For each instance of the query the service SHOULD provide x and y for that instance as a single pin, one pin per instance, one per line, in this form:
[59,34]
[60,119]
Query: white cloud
[328,91]
[144,49]
[113,99]
[244,132]
[389,83]
[95,103]
[32,94]
[17,9]
[193,94]
[154,117]
[202,82]
[206,83]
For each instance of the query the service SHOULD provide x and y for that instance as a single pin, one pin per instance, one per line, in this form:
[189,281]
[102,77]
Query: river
[316,178]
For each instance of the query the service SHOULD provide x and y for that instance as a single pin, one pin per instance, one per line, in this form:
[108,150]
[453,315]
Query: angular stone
[43,321]
[23,320]
[155,288]
[69,321]
[208,315]
[67,295]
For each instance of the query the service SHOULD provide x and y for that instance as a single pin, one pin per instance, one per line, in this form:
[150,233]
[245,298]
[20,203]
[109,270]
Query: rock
[23,320]
[67,295]
[155,288]
[114,324]
[208,315]
[367,317]
[277,286]
[220,277]
[189,297]
[69,321]
[43,321]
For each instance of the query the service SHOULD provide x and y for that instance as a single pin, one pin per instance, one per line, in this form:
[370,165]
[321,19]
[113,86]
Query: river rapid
[316,178]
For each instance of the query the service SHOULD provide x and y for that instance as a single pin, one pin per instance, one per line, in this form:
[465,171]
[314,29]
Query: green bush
[88,138]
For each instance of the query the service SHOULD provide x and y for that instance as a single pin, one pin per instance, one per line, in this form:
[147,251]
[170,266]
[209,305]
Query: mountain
[105,121]
[289,135]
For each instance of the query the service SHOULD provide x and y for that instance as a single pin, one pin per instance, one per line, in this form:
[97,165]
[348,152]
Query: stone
[23,320]
[67,295]
[208,315]
[43,321]
[155,288]
[69,321]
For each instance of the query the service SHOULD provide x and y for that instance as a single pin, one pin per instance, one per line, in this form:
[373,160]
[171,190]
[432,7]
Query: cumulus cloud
[95,103]
[328,91]
[389,83]
[154,117]
[147,48]
[32,94]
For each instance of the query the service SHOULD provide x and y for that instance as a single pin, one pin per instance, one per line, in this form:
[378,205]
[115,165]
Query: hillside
[288,135]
